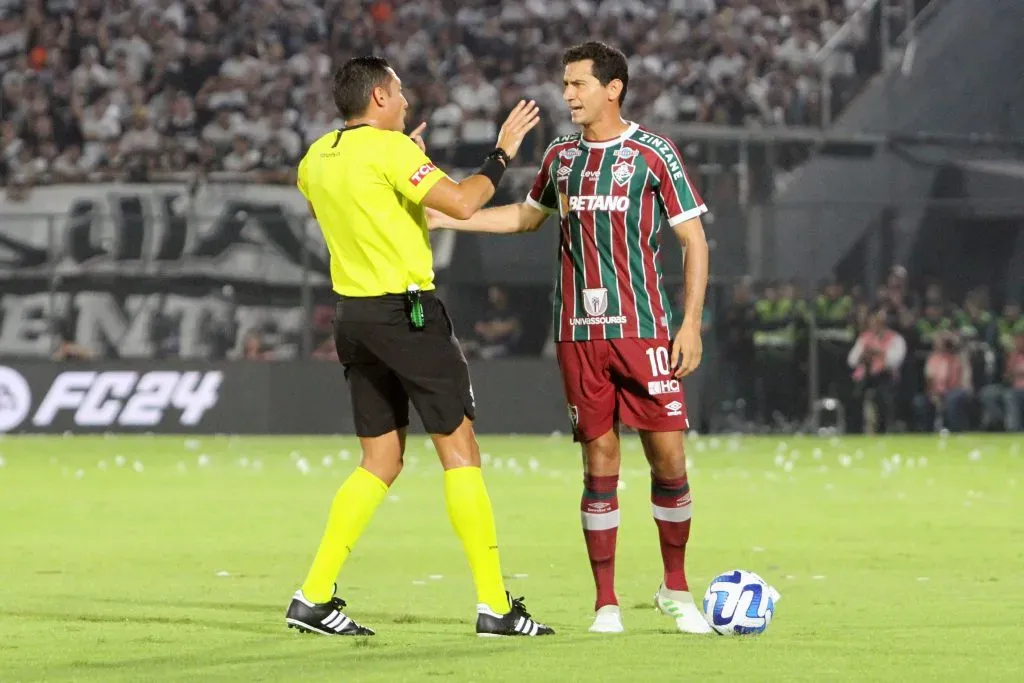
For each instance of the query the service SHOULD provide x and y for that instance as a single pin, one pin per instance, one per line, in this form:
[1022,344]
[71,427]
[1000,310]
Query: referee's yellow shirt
[365,185]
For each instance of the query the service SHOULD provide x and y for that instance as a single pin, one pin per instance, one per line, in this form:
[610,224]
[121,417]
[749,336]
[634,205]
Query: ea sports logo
[15,399]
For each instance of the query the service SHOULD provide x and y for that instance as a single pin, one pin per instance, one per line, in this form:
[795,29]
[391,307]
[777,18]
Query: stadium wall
[302,397]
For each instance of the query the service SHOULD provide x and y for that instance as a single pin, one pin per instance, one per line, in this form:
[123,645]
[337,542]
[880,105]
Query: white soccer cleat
[608,620]
[680,606]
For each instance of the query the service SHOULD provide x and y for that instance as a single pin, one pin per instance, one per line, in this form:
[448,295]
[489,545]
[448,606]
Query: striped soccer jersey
[611,198]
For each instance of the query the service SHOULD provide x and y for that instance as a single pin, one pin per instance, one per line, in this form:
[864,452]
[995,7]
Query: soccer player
[610,185]
[367,186]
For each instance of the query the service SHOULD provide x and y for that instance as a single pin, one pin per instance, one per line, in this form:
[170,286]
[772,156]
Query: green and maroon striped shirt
[611,198]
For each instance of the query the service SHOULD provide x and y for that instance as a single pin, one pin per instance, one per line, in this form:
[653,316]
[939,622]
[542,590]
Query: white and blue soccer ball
[739,603]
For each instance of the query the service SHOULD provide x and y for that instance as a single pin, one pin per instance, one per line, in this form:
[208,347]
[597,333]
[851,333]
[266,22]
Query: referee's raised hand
[521,121]
[417,136]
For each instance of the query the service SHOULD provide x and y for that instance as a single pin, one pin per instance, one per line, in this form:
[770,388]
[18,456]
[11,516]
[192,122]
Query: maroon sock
[670,505]
[599,513]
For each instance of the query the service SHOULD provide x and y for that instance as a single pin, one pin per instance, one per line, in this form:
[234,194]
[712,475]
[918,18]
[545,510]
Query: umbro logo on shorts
[674,408]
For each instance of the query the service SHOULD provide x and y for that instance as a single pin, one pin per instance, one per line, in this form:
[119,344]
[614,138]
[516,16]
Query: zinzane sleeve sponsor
[544,195]
[678,195]
[410,171]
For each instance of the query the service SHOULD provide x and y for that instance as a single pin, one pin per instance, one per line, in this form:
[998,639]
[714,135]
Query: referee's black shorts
[389,363]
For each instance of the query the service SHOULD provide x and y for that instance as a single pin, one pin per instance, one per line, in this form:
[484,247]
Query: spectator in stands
[948,387]
[1014,394]
[498,330]
[876,359]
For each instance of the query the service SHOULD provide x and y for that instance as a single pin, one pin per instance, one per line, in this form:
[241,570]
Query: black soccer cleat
[325,618]
[517,622]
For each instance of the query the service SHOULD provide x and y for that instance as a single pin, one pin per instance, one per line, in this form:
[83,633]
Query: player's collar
[633,126]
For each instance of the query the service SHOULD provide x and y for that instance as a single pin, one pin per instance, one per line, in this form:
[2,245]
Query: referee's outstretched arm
[462,199]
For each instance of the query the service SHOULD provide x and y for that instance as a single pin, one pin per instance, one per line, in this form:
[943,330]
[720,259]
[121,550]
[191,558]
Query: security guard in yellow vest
[774,352]
[835,334]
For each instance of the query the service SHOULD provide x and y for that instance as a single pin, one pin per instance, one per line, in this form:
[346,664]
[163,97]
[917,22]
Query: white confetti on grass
[181,467]
[436,577]
[2,461]
[102,464]
[327,460]
[922,461]
[138,466]
[923,578]
[120,460]
[757,549]
[203,460]
[845,460]
[344,454]
[788,467]
[816,454]
[303,466]
[79,474]
[192,444]
[419,582]
[524,576]
[223,573]
[621,485]
[393,498]
[818,577]
[974,455]
[257,464]
[534,464]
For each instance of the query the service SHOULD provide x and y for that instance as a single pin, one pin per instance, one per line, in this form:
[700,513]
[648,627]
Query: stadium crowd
[898,360]
[146,90]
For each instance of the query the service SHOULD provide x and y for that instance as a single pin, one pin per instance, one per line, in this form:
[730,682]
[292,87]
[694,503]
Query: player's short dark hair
[354,82]
[608,63]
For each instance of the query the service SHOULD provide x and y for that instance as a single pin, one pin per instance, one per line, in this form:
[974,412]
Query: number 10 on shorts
[660,368]
[659,361]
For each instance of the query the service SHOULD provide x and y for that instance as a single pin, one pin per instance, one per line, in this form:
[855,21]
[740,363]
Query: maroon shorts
[620,380]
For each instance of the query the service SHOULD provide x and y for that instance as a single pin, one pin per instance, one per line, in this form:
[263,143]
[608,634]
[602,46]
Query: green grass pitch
[159,558]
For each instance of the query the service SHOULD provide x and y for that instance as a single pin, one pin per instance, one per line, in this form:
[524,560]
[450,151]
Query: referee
[367,186]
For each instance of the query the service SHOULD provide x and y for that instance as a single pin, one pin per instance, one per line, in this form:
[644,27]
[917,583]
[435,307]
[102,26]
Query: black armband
[494,165]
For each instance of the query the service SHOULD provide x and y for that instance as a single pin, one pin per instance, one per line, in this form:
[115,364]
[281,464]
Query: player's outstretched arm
[688,348]
[510,218]
[461,200]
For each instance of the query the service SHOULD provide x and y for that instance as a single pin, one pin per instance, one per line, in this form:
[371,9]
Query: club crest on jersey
[622,172]
[595,301]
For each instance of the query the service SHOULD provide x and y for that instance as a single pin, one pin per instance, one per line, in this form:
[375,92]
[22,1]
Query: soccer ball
[739,603]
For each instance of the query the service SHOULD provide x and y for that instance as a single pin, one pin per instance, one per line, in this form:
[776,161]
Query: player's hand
[687,350]
[437,219]
[417,136]
[521,121]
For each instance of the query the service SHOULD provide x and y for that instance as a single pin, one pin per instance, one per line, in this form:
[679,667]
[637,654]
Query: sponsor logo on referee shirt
[421,173]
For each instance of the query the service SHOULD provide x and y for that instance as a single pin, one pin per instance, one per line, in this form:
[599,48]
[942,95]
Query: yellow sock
[353,505]
[469,508]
